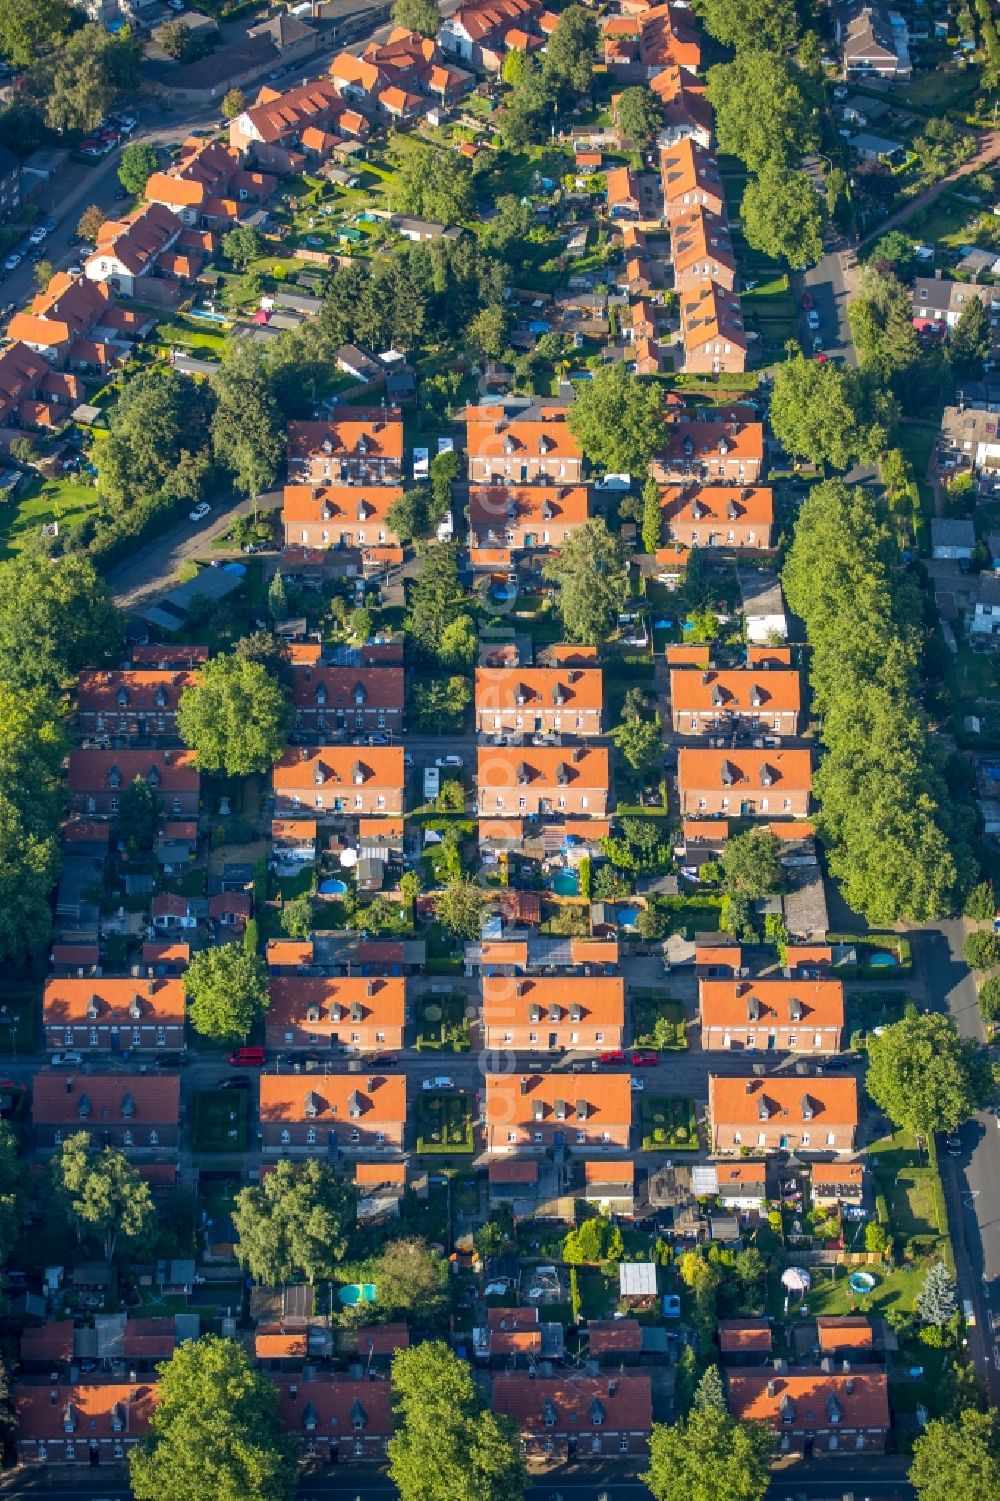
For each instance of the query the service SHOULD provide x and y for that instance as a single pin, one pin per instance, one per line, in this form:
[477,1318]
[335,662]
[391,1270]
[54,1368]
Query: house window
[532,1036]
[380,1037]
[43,1452]
[512,1136]
[830,1139]
[119,1449]
[598,1036]
[792,1039]
[581,1138]
[508,1037]
[161,1037]
[379,1138]
[93,1037]
[70,1449]
[128,1139]
[859,1442]
[805,1138]
[817,1039]
[737,1138]
[311,1137]
[57,1138]
[113,805]
[286,1137]
[761,1138]
[623,1443]
[355,1138]
[536,1136]
[154,1138]
[359,1446]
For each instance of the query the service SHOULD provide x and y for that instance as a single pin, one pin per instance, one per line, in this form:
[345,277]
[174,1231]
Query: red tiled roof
[862,1395]
[744,1335]
[735,1101]
[627,1408]
[56,1098]
[615,1336]
[41,1410]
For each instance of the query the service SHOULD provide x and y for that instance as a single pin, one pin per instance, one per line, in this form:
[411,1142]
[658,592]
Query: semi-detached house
[276,131]
[354,700]
[744,783]
[538,1013]
[360,447]
[728,452]
[352,1013]
[332,1113]
[208,187]
[331,781]
[701,250]
[133,1112]
[151,254]
[712,330]
[712,700]
[543,780]
[336,1417]
[352,517]
[792,1016]
[815,1411]
[783,1113]
[576,1417]
[85,1423]
[521,447]
[478,33]
[130,702]
[532,1112]
[549,700]
[97,779]
[507,520]
[719,516]
[101,1014]
[75,326]
[691,179]
[32,394]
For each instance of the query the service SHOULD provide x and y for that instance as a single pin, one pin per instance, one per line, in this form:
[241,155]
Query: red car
[247,1058]
[645,1059]
[616,1057]
[807,301]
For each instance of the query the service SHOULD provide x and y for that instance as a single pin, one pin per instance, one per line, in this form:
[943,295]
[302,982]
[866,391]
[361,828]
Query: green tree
[958,1457]
[44,272]
[297,1223]
[708,1456]
[782,216]
[459,908]
[459,644]
[878,1241]
[410,887]
[570,53]
[640,114]
[297,917]
[138,163]
[90,221]
[248,431]
[139,813]
[11,1207]
[277,598]
[434,184]
[236,718]
[31,28]
[710,1393]
[516,67]
[434,599]
[618,420]
[157,449]
[652,516]
[981,903]
[489,331]
[925,1076]
[408,516]
[989,999]
[80,80]
[447,1445]
[762,113]
[592,573]
[751,866]
[56,617]
[893,252]
[234,102]
[102,1194]
[881,319]
[828,413]
[227,991]
[981,949]
[412,1280]
[748,25]
[640,743]
[418,15]
[243,245]
[438,704]
[214,1431]
[29,865]
[596,1240]
[971,340]
[937,1300]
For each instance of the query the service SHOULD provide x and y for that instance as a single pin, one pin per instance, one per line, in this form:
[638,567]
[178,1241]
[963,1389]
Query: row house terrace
[543,780]
[32,394]
[727,452]
[130,703]
[336,780]
[281,132]
[553,1013]
[87,1423]
[685,110]
[151,254]
[691,179]
[208,187]
[507,521]
[111,1015]
[576,1417]
[521,447]
[360,447]
[701,249]
[74,325]
[549,700]
[354,1014]
[533,1112]
[719,516]
[482,33]
[97,778]
[400,78]
[815,1411]
[787,1016]
[332,1113]
[352,700]
[747,783]
[783,1114]
[336,1417]
[348,519]
[713,700]
[133,1112]
[638,46]
[712,331]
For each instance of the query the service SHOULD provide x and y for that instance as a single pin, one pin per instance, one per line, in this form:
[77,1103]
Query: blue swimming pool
[882,960]
[566,883]
[332,888]
[356,1292]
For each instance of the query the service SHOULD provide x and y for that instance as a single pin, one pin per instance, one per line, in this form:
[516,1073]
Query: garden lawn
[908,1184]
[20,1004]
[444,1123]
[442,1023]
[649,1009]
[669,1123]
[192,333]
[67,501]
[831,1295]
[221,1120]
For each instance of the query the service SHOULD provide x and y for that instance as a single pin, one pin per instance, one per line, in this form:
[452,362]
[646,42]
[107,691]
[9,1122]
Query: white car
[66,1060]
[440,1081]
[12,261]
[200,511]
[812,318]
[443,761]
[38,234]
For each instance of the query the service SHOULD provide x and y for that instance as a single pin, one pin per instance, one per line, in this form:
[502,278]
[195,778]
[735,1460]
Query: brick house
[32,394]
[97,779]
[691,179]
[719,516]
[745,783]
[536,519]
[712,331]
[685,110]
[477,33]
[787,1016]
[578,1417]
[105,1015]
[354,700]
[339,516]
[332,1113]
[75,326]
[814,1411]
[151,254]
[10,184]
[89,1423]
[791,1113]
[712,453]
[360,447]
[522,447]
[356,1014]
[130,702]
[274,132]
[536,1111]
[623,193]
[701,249]
[339,780]
[550,700]
[543,780]
[208,187]
[335,1417]
[713,700]
[836,1183]
[540,1013]
[134,1112]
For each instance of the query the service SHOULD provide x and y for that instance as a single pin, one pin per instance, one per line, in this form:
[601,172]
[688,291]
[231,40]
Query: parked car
[443,761]
[38,234]
[238,1081]
[812,318]
[379,738]
[200,511]
[169,1060]
[645,1058]
[383,1060]
[614,1057]
[12,261]
[66,1060]
[807,301]
[953,1146]
[439,1081]
[246,1058]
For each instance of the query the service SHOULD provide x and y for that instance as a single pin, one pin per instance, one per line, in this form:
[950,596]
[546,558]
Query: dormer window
[766,776]
[128,1106]
[160,697]
[312,1013]
[114,777]
[359,1418]
[321,694]
[153,776]
[537,1110]
[360,693]
[310,1418]
[69,1419]
[354,1104]
[727,774]
[753,1009]
[135,1008]
[312,1105]
[786,1408]
[762,1111]
[356,1012]
[596,1413]
[93,1008]
[357,773]
[83,1107]
[326,511]
[319,775]
[549,1413]
[123,697]
[808,1110]
[581,1110]
[328,445]
[336,1011]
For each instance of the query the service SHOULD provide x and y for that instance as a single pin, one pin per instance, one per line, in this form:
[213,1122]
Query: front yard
[442,1024]
[221,1121]
[657,1022]
[669,1123]
[444,1123]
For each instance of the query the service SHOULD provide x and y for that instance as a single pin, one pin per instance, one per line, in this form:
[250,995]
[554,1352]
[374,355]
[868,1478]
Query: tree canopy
[297,1223]
[214,1431]
[417,15]
[102,1194]
[434,185]
[925,1076]
[881,319]
[748,25]
[435,600]
[447,1445]
[248,430]
[971,340]
[618,420]
[570,53]
[157,448]
[708,1456]
[750,864]
[898,841]
[31,28]
[592,573]
[640,113]
[236,718]
[459,908]
[762,111]
[782,216]
[138,163]
[411,1280]
[958,1457]
[937,1300]
[11,1192]
[56,617]
[227,991]
[829,414]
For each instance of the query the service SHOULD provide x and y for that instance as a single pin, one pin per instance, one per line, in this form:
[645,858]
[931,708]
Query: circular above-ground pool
[332,888]
[356,1292]
[861,1282]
